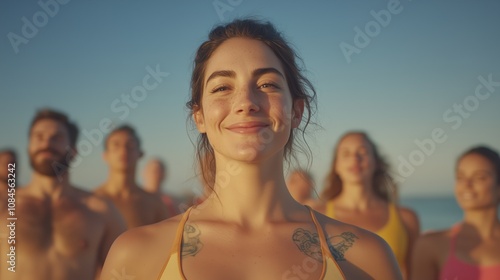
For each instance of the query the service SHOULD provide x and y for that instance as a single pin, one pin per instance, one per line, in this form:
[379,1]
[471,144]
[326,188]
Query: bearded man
[57,231]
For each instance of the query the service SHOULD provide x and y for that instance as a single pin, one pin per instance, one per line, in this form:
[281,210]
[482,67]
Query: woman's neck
[357,196]
[484,221]
[250,194]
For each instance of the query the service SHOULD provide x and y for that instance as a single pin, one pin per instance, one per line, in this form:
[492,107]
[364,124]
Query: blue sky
[402,80]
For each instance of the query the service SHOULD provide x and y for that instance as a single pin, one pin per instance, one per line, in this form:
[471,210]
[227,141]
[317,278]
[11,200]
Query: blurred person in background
[153,175]
[300,183]
[122,151]
[470,250]
[358,190]
[61,231]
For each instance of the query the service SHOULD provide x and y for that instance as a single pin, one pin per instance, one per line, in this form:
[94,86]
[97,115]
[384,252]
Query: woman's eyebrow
[255,73]
[262,71]
[221,73]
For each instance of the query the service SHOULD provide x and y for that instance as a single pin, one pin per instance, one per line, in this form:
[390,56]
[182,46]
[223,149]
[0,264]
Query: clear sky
[404,71]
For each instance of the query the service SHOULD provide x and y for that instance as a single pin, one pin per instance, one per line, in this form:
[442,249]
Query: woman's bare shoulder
[149,244]
[434,239]
[352,238]
[430,252]
[153,232]
[407,213]
[411,221]
[318,205]
[361,253]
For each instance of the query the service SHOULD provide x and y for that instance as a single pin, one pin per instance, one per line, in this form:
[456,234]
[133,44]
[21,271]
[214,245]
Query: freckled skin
[249,231]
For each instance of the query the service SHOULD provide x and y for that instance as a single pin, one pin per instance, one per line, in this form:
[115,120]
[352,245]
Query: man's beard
[51,167]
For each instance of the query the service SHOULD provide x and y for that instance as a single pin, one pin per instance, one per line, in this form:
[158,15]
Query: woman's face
[355,161]
[246,110]
[476,185]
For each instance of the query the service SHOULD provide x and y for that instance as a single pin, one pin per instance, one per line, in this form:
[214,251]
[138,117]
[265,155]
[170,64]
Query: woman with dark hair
[360,191]
[247,101]
[470,249]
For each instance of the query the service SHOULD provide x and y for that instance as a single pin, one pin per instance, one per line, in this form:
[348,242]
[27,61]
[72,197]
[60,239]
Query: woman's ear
[298,110]
[199,120]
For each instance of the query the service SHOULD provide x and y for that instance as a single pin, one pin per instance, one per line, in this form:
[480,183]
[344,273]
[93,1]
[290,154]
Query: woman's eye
[219,89]
[268,85]
[481,178]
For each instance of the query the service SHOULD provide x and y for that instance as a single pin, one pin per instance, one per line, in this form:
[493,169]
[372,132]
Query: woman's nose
[246,101]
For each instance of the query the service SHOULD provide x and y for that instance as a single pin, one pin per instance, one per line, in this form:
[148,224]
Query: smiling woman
[470,249]
[248,98]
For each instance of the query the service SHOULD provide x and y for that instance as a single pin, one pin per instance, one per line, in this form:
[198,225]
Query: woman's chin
[353,180]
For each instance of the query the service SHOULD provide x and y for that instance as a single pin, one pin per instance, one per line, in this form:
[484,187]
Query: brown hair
[123,128]
[59,117]
[300,87]
[383,184]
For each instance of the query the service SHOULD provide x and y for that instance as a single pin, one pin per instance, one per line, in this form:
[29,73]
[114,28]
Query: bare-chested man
[7,162]
[61,232]
[121,153]
[153,176]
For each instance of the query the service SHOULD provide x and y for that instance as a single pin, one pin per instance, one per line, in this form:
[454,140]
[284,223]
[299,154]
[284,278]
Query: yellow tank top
[172,270]
[393,232]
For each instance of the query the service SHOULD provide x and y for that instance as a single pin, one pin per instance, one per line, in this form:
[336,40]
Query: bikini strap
[330,209]
[176,248]
[319,229]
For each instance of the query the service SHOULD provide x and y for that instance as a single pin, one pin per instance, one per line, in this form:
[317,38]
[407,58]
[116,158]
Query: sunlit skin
[62,232]
[477,190]
[355,162]
[153,176]
[246,231]
[476,186]
[48,141]
[301,187]
[122,152]
[357,203]
[137,206]
[238,125]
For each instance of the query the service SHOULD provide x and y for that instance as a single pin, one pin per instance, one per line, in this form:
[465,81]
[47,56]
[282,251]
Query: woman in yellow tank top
[247,101]
[359,191]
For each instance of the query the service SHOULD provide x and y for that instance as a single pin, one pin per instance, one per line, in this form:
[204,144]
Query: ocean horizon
[434,212]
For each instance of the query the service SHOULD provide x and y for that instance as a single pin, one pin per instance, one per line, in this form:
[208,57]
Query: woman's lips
[354,169]
[247,127]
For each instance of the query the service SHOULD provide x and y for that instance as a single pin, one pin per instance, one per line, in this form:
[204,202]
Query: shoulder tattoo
[339,244]
[191,244]
[309,244]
